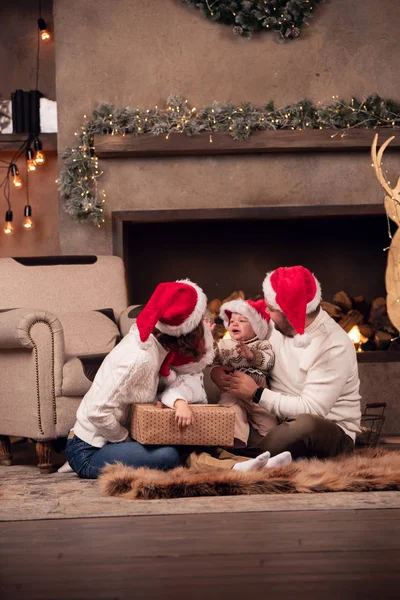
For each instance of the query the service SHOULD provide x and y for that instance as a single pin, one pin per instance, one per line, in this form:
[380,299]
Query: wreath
[287,17]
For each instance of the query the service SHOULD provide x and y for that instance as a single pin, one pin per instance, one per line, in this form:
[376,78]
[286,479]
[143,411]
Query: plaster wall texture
[136,54]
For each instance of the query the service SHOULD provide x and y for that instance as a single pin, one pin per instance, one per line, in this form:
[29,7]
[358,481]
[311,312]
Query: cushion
[213,426]
[88,333]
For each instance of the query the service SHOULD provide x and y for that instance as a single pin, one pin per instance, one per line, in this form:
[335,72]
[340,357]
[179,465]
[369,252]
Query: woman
[130,374]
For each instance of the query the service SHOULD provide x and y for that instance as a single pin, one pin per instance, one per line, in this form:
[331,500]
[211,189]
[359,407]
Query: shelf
[146,145]
[11,142]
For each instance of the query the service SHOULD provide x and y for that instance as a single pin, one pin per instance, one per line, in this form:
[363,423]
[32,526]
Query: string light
[44,32]
[30,161]
[17,181]
[28,223]
[8,226]
[178,117]
[39,156]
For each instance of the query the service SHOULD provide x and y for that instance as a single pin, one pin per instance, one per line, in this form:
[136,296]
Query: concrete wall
[18,48]
[139,52]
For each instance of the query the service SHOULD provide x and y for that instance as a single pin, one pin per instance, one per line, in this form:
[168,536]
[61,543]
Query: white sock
[254,464]
[280,460]
[65,468]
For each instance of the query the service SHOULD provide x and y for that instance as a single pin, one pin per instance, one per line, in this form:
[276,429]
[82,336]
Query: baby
[246,350]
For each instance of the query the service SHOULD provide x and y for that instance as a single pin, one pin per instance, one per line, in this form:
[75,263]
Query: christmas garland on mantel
[78,183]
[287,17]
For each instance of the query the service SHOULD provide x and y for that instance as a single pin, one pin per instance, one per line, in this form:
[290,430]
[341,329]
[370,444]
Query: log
[353,317]
[382,340]
[379,318]
[360,304]
[343,300]
[333,311]
[234,296]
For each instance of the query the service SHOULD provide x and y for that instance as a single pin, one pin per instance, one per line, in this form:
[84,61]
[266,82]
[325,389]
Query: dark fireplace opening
[225,254]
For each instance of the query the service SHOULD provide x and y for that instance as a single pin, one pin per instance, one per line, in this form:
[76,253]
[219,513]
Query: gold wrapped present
[213,426]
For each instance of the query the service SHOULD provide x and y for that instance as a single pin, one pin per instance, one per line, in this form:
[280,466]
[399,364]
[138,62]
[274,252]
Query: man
[314,384]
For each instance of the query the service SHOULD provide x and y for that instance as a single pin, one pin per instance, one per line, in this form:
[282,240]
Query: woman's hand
[242,385]
[221,376]
[183,414]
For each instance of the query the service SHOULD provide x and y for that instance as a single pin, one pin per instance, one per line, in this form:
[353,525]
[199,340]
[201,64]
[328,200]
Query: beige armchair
[56,325]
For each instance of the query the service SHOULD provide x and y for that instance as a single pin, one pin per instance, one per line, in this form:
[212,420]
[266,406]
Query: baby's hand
[209,323]
[183,414]
[245,351]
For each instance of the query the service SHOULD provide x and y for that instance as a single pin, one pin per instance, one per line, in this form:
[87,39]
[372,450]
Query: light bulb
[39,156]
[8,226]
[28,223]
[17,181]
[30,161]
[44,33]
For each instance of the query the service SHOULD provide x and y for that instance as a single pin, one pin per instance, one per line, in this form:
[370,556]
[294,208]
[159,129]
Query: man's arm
[323,386]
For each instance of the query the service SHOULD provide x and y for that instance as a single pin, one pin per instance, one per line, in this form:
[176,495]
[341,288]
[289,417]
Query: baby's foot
[254,464]
[280,460]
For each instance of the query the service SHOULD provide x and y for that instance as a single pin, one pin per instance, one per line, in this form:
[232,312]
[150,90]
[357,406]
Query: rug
[363,471]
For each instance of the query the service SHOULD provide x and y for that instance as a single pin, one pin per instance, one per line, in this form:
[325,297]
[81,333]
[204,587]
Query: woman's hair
[188,345]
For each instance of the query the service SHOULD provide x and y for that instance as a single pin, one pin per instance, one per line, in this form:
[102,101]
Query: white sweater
[128,375]
[320,380]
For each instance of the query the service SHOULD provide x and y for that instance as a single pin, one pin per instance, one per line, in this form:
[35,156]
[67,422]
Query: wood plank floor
[321,555]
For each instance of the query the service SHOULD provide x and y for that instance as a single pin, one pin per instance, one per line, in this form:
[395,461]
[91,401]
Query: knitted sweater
[320,380]
[227,354]
[130,375]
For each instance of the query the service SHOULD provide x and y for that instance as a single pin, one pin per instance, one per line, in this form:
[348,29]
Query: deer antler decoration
[392,208]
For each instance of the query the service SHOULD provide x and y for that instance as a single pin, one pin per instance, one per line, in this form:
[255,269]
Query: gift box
[213,426]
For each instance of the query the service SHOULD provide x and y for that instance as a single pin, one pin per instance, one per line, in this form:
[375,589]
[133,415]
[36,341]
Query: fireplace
[226,249]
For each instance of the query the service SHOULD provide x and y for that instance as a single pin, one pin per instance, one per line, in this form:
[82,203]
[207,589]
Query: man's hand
[183,414]
[242,385]
[221,376]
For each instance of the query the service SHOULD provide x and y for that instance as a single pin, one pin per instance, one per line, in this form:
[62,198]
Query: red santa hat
[255,312]
[296,293]
[175,308]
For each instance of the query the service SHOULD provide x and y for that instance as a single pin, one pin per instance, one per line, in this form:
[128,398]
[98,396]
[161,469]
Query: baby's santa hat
[175,308]
[254,311]
[296,293]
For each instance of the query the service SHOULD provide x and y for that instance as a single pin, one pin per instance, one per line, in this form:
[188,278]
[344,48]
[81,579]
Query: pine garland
[78,184]
[287,17]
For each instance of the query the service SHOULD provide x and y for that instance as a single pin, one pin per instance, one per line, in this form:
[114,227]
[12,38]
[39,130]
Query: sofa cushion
[88,333]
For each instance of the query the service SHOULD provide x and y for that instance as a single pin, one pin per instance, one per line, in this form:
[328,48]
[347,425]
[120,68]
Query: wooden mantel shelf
[10,142]
[119,146]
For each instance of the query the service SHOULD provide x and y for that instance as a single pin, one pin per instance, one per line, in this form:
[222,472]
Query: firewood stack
[371,318]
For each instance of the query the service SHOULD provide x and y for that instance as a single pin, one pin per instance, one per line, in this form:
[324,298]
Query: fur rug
[363,471]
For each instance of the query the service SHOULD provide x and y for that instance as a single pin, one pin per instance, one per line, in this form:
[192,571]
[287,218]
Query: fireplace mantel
[260,142]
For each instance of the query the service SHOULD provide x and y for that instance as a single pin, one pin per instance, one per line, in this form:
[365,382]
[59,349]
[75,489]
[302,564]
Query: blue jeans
[87,461]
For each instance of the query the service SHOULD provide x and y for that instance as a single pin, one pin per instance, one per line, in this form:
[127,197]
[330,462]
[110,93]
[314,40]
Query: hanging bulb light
[30,161]
[39,156]
[8,226]
[17,181]
[28,223]
[44,33]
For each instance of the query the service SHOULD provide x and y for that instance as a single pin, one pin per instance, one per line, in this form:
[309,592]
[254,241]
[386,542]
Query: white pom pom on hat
[296,293]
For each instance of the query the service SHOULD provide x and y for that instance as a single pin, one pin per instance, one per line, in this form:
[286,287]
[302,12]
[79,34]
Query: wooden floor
[319,555]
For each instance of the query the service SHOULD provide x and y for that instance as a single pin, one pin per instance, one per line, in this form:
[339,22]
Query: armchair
[58,319]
